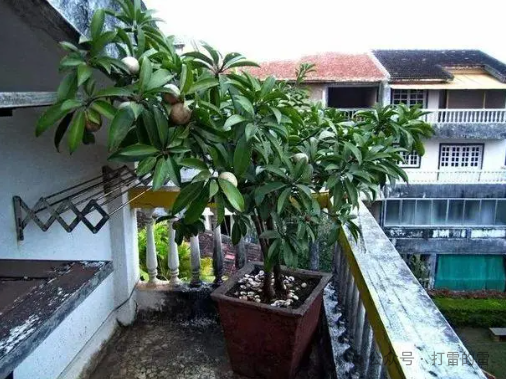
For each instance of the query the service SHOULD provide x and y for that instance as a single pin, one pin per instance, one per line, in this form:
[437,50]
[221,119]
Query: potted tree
[262,150]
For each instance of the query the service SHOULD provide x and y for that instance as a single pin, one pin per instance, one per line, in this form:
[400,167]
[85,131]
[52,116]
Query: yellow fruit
[132,64]
[180,114]
[228,176]
[300,156]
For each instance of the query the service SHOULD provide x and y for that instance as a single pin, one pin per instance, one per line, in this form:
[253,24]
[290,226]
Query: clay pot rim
[220,293]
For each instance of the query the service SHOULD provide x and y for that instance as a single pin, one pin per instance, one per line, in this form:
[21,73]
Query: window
[411,160]
[460,156]
[409,97]
[451,212]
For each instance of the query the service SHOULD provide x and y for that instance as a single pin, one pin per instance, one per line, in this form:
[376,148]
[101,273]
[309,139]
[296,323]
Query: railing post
[432,270]
[376,363]
[366,347]
[217,251]
[151,258]
[173,255]
[195,261]
[359,326]
[354,310]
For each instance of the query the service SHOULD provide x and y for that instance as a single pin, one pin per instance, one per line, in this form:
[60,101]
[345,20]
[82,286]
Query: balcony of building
[453,176]
[367,331]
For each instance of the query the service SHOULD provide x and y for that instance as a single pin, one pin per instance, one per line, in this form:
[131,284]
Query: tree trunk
[278,280]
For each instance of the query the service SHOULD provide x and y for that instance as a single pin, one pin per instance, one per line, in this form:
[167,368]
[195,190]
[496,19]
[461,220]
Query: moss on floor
[489,354]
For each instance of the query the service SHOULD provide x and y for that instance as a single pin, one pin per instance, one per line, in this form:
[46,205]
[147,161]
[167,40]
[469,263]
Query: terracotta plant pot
[265,341]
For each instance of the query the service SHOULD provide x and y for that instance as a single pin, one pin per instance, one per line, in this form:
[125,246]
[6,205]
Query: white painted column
[173,255]
[195,261]
[207,219]
[123,232]
[151,258]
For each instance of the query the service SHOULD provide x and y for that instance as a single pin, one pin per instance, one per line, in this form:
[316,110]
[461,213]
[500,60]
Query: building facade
[452,213]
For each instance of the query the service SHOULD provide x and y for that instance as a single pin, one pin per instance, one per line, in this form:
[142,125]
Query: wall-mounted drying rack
[89,197]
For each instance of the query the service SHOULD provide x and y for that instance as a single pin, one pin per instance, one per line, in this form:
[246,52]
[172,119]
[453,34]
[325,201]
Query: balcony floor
[157,347]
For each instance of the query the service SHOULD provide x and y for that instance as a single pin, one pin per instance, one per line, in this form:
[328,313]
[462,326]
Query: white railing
[195,257]
[350,112]
[456,176]
[463,116]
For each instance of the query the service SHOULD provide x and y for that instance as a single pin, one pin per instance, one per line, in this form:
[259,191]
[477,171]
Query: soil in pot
[249,288]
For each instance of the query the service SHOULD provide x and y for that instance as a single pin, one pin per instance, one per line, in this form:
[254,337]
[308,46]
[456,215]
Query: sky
[265,30]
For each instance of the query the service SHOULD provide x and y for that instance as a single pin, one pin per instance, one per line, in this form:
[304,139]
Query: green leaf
[270,234]
[145,166]
[114,91]
[97,23]
[136,152]
[174,172]
[244,63]
[220,208]
[70,104]
[260,192]
[83,74]
[162,125]
[105,108]
[277,114]
[60,131]
[245,104]
[186,78]
[53,114]
[145,74]
[197,207]
[120,126]
[354,150]
[351,191]
[202,85]
[233,120]
[213,189]
[150,125]
[76,131]
[161,174]
[194,163]
[242,157]
[305,189]
[282,199]
[232,194]
[159,79]
[187,194]
[68,87]
[250,131]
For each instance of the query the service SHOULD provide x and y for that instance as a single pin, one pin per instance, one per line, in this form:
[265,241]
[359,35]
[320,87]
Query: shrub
[161,243]
[484,313]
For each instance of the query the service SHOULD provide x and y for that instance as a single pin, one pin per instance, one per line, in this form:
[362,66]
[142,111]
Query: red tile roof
[330,67]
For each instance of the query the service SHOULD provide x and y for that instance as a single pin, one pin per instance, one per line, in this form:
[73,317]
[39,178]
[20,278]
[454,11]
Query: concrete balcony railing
[376,311]
[386,326]
[465,116]
[456,176]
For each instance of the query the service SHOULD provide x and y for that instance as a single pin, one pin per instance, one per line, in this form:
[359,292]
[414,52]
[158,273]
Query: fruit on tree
[132,64]
[180,114]
[173,96]
[299,157]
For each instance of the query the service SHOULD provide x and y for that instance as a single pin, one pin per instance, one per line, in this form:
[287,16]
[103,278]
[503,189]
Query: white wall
[32,168]
[493,156]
